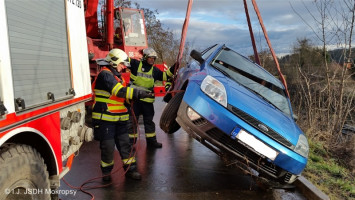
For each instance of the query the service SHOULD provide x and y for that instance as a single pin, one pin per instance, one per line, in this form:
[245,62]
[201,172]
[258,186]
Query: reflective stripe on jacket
[115,108]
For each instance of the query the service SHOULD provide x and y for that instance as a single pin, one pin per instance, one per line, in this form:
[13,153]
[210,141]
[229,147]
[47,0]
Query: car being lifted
[240,111]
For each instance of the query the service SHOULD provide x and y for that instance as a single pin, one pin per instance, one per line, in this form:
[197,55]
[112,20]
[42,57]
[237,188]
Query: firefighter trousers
[147,110]
[111,134]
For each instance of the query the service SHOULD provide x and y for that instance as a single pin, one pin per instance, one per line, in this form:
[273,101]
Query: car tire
[167,120]
[23,171]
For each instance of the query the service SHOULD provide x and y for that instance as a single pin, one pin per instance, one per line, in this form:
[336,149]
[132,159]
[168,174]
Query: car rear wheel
[167,120]
[23,174]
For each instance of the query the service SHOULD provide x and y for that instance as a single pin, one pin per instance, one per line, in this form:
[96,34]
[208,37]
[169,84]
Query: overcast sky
[224,21]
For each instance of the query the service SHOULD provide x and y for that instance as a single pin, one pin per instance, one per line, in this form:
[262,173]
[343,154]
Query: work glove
[141,94]
[167,85]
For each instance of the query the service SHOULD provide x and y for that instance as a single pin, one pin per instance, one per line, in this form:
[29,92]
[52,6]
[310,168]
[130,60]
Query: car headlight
[215,89]
[302,147]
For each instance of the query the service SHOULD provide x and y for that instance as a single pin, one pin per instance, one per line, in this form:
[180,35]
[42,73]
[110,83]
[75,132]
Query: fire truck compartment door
[38,50]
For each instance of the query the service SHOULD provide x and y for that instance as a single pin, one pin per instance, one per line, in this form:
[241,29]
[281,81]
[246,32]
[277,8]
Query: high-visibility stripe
[144,75]
[129,94]
[164,76]
[110,118]
[133,135]
[104,164]
[132,76]
[102,93]
[128,161]
[117,88]
[148,100]
[149,135]
[168,72]
[140,88]
[103,100]
[116,107]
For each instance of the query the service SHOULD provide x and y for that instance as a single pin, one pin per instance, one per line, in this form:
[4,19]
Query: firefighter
[110,114]
[143,75]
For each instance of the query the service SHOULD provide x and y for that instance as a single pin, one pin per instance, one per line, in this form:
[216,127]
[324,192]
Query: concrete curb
[304,190]
[309,190]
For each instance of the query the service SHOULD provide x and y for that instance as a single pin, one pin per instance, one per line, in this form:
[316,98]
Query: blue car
[240,111]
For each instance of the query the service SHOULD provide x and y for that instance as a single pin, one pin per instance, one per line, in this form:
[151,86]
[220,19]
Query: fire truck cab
[120,27]
[44,84]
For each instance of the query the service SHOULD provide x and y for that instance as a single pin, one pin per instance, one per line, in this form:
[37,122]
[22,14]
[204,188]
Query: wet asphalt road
[182,169]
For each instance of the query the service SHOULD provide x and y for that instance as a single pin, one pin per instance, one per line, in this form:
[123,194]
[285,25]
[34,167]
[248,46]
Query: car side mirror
[197,56]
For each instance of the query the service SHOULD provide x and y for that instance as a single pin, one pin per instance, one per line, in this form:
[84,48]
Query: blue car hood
[245,100]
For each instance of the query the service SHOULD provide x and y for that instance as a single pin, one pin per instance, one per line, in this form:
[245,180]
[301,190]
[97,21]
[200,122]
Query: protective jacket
[144,75]
[110,93]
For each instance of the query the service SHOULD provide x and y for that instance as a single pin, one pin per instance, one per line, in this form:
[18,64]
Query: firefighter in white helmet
[143,76]
[110,115]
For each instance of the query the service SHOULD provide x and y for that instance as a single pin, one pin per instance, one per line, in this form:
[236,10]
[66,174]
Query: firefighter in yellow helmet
[110,114]
[143,76]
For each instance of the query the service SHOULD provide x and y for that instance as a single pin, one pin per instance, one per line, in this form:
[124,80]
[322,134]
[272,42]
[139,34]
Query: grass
[328,175]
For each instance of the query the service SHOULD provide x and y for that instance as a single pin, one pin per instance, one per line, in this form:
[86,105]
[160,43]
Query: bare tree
[162,39]
[333,23]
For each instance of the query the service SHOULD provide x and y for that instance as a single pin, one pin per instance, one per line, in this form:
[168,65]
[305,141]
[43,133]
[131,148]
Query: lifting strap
[251,33]
[183,38]
[184,31]
[282,78]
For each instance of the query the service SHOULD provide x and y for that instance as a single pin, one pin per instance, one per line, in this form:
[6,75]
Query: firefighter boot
[106,173]
[153,143]
[132,172]
[106,178]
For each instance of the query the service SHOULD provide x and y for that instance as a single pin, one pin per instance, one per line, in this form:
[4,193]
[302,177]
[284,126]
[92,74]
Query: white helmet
[149,52]
[117,56]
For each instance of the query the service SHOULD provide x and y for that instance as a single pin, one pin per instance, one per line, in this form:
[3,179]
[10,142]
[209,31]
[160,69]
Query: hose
[83,188]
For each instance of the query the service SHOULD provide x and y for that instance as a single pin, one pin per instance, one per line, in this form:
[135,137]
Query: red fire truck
[122,28]
[44,84]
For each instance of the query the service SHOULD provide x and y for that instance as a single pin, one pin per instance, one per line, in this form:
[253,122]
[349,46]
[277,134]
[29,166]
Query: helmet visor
[114,58]
[126,63]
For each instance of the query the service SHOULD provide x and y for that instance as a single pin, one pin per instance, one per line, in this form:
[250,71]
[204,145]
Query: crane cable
[282,78]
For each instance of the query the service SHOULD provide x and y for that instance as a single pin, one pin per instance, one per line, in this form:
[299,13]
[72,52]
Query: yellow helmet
[117,56]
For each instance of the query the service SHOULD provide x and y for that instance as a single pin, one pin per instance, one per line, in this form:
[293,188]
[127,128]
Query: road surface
[182,169]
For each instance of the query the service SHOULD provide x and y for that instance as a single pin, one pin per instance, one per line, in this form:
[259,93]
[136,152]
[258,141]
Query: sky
[224,22]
